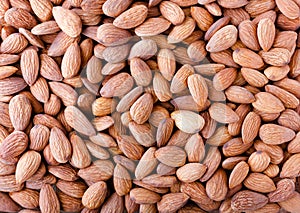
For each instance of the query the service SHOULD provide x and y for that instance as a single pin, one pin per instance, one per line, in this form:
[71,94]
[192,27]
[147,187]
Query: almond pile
[116,106]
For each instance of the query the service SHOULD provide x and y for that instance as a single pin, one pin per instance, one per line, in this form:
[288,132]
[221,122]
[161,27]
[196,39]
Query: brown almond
[68,21]
[60,145]
[247,200]
[27,165]
[239,94]
[71,61]
[19,18]
[109,35]
[190,172]
[216,186]
[171,155]
[202,17]
[238,174]
[182,117]
[276,56]
[172,12]
[222,113]
[13,146]
[172,202]
[266,102]
[284,191]
[275,134]
[198,88]
[266,33]
[146,164]
[259,182]
[248,35]
[152,27]
[250,127]
[247,58]
[132,17]
[182,31]
[122,180]
[288,8]
[20,112]
[144,196]
[48,199]
[26,198]
[224,78]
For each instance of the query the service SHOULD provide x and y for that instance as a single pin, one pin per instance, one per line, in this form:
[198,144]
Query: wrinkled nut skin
[149,106]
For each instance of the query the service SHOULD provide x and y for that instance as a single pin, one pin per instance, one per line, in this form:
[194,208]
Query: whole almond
[14,43]
[182,31]
[71,61]
[132,17]
[216,186]
[222,39]
[239,94]
[118,85]
[42,9]
[172,12]
[266,102]
[110,35]
[99,170]
[8,184]
[250,127]
[276,56]
[48,199]
[259,182]
[172,202]
[198,88]
[284,191]
[144,196]
[282,134]
[80,155]
[49,68]
[254,77]
[7,204]
[182,117]
[266,39]
[30,66]
[238,174]
[26,198]
[152,27]
[202,17]
[113,8]
[171,156]
[141,109]
[68,21]
[146,164]
[95,195]
[248,35]
[247,200]
[27,165]
[19,18]
[259,161]
[222,113]
[20,112]
[288,8]
[190,172]
[247,58]
[60,145]
[166,63]
[224,78]
[13,146]
[40,90]
[122,180]
[290,168]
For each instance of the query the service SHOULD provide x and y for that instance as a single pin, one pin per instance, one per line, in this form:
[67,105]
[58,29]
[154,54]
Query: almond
[172,12]
[42,9]
[276,56]
[288,8]
[266,102]
[48,199]
[182,117]
[172,202]
[250,127]
[216,186]
[122,180]
[190,172]
[247,58]
[171,155]
[259,182]
[26,198]
[266,33]
[144,196]
[182,31]
[19,18]
[248,35]
[284,191]
[198,88]
[68,21]
[152,27]
[166,63]
[222,39]
[132,17]
[275,134]
[238,174]
[60,145]
[146,164]
[109,35]
[247,200]
[222,113]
